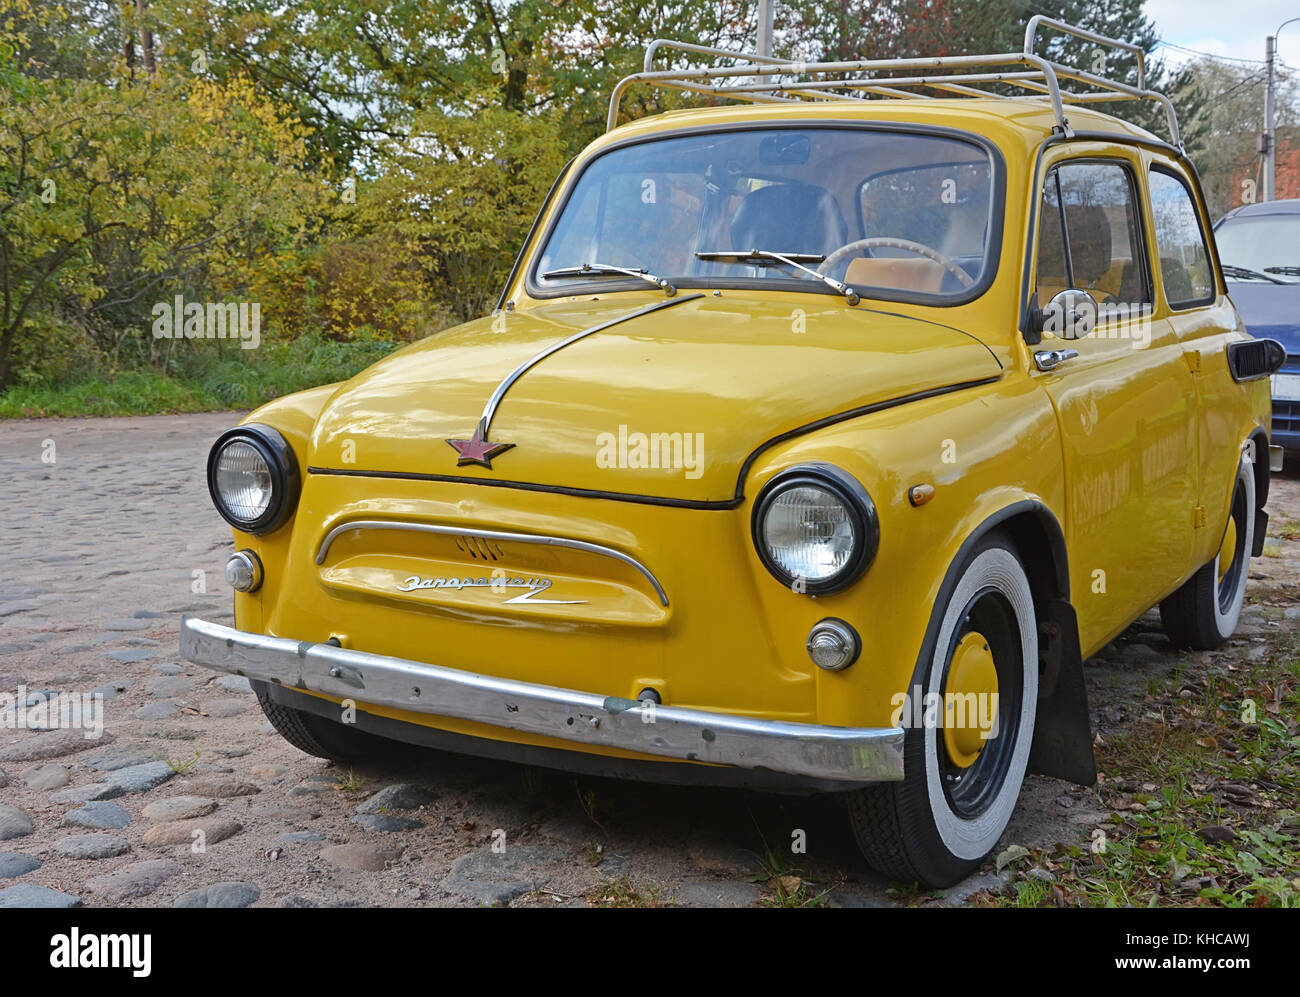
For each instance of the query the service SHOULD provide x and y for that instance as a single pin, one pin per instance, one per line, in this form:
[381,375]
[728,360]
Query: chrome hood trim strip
[490,409]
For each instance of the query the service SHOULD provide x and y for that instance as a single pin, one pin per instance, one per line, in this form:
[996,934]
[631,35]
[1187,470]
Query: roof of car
[1291,206]
[1031,118]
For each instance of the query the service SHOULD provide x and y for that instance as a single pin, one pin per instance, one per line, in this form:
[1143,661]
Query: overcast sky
[1235,28]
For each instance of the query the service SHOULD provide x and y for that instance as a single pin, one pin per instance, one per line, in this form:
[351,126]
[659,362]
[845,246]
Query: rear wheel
[967,744]
[1203,613]
[316,735]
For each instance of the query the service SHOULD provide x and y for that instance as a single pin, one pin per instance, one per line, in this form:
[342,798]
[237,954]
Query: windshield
[893,214]
[1269,245]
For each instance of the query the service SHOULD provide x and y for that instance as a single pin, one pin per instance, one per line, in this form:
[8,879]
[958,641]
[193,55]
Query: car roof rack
[758,78]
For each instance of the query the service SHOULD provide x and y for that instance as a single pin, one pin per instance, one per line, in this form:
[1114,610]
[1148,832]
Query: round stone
[158,711]
[132,881]
[179,808]
[27,895]
[235,683]
[296,837]
[13,823]
[175,832]
[91,846]
[141,778]
[220,895]
[47,777]
[87,793]
[99,815]
[167,686]
[14,864]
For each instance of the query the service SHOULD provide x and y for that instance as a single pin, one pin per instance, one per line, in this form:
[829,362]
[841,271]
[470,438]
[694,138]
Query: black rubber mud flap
[1062,745]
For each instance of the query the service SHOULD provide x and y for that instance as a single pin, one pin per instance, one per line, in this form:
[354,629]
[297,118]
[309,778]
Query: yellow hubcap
[1228,549]
[972,681]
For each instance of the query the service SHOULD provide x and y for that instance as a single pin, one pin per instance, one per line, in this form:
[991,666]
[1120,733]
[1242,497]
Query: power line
[1258,78]
[1207,55]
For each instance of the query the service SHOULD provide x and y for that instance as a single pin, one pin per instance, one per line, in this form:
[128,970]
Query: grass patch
[623,892]
[181,767]
[134,393]
[235,379]
[1201,794]
[783,882]
[350,782]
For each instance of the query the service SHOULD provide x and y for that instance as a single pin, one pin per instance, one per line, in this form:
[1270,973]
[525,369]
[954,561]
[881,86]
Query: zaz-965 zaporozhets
[815,443]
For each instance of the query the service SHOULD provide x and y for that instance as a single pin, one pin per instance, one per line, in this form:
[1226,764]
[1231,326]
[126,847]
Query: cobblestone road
[108,536]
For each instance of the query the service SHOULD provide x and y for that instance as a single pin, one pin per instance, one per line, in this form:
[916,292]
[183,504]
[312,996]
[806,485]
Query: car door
[1125,398]
[1202,320]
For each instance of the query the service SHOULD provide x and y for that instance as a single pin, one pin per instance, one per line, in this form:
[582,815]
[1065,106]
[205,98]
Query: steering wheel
[850,249]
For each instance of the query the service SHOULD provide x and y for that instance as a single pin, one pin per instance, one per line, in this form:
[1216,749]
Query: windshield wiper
[609,270]
[1242,273]
[1286,271]
[796,260]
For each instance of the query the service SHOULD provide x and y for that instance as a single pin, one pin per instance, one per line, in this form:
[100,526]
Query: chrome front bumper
[850,754]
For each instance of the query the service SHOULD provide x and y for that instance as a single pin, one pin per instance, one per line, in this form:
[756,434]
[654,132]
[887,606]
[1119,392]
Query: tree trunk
[146,40]
[6,341]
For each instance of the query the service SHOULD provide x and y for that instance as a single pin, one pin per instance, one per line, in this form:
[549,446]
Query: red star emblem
[477,450]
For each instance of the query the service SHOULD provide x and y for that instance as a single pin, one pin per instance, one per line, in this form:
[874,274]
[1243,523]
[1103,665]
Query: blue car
[1259,246]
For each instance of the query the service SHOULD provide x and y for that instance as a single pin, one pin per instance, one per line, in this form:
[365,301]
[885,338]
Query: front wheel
[1203,614]
[969,724]
[317,735]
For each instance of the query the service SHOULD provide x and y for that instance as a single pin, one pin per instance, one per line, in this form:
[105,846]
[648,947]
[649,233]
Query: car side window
[1184,259]
[1090,237]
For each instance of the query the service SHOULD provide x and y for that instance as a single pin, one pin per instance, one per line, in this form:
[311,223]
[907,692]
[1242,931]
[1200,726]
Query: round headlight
[243,481]
[253,477]
[815,528]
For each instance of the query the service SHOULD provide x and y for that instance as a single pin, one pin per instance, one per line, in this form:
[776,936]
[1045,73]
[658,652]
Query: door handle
[1051,359]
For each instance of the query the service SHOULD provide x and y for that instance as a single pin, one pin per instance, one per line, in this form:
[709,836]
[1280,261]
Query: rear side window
[1184,259]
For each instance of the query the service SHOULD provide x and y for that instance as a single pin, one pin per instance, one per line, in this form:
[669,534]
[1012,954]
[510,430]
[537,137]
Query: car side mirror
[1071,314]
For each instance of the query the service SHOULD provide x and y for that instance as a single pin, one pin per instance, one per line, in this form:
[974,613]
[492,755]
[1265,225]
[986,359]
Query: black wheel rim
[1228,583]
[971,790]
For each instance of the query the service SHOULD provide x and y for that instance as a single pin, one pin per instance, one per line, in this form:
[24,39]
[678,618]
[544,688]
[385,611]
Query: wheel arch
[1062,744]
[1262,473]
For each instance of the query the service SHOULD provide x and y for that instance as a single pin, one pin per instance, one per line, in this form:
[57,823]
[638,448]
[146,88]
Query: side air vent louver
[480,548]
[1255,358]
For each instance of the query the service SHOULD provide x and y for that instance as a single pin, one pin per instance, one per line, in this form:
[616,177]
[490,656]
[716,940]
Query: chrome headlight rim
[286,482]
[862,512]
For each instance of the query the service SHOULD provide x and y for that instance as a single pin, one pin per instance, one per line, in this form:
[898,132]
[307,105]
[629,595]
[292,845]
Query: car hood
[668,403]
[1270,311]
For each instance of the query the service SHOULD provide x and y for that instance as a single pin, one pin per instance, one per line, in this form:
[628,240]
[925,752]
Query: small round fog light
[833,645]
[244,571]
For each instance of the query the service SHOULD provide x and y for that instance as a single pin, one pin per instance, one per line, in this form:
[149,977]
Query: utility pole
[1268,145]
[764,46]
[1270,154]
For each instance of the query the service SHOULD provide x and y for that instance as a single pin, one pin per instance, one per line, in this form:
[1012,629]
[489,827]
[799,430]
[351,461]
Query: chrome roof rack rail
[755,78]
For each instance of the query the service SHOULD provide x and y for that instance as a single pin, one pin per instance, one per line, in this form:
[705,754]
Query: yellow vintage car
[817,439]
